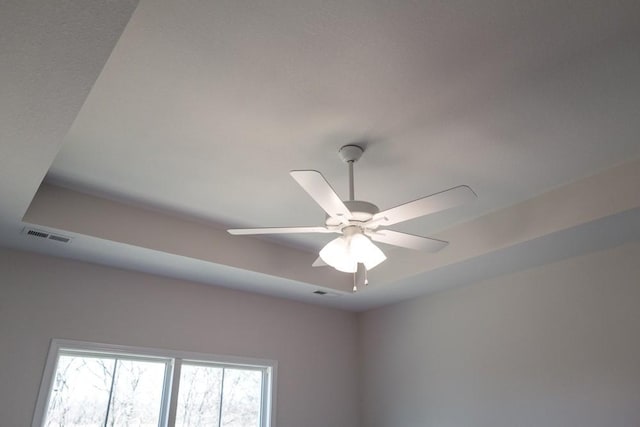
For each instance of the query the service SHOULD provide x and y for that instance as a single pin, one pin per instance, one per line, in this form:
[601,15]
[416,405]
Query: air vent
[320,292]
[38,233]
[45,235]
[59,238]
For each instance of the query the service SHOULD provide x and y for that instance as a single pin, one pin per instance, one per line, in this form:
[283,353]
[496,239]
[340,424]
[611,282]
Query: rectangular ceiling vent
[59,238]
[37,233]
[44,235]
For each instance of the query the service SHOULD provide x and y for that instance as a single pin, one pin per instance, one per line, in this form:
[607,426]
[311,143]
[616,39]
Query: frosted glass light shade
[364,251]
[337,254]
[345,252]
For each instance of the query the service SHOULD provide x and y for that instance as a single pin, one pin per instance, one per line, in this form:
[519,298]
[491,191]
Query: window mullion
[172,395]
[113,381]
[221,397]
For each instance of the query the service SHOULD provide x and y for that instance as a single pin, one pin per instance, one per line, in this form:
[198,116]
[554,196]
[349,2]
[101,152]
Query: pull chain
[355,287]
[355,279]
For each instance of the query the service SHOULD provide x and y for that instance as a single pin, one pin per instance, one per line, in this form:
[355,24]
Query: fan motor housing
[361,211]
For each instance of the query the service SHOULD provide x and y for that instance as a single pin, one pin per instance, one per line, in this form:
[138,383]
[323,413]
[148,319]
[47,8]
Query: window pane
[137,393]
[82,386]
[242,398]
[199,396]
[80,392]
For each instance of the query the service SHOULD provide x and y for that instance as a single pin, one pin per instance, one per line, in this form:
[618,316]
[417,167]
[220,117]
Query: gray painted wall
[557,345]
[43,297]
[554,346]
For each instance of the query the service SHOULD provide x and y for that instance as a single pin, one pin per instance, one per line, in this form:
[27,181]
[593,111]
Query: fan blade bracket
[342,218]
[374,223]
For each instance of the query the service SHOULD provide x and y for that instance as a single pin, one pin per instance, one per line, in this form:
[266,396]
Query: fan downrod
[350,154]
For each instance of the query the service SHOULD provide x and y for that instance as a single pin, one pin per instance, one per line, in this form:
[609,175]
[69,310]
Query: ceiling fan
[361,223]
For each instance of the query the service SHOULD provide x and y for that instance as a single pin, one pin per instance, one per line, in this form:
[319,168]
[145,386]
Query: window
[88,384]
[106,390]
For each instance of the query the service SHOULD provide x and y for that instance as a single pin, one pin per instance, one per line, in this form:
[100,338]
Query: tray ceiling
[202,108]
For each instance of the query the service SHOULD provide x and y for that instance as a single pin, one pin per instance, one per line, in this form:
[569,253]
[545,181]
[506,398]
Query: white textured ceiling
[203,107]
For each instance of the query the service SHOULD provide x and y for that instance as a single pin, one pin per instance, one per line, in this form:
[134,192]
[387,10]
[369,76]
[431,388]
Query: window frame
[173,360]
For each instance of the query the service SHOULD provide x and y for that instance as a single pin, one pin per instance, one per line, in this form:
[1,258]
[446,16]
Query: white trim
[169,375]
[173,358]
[175,390]
[50,367]
[270,392]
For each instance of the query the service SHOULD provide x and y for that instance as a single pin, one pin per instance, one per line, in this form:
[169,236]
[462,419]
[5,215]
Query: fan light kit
[361,223]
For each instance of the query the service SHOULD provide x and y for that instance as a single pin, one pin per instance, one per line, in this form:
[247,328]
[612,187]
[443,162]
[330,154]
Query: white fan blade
[319,263]
[409,241]
[319,189]
[278,230]
[427,205]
